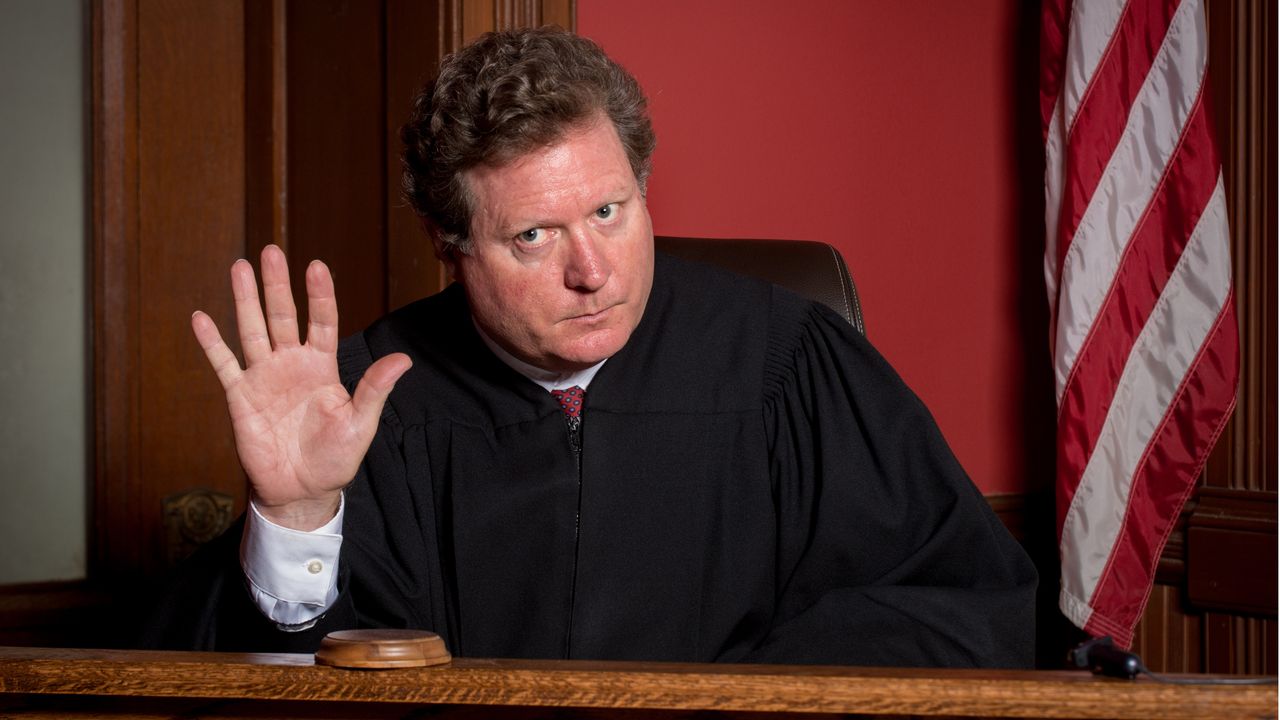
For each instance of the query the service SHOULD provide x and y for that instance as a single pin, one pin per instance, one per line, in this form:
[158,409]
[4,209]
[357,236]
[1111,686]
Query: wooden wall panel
[266,125]
[169,202]
[191,216]
[507,14]
[417,37]
[336,140]
[1242,65]
[1239,645]
[191,190]
[560,12]
[1168,638]
[1174,637]
[478,17]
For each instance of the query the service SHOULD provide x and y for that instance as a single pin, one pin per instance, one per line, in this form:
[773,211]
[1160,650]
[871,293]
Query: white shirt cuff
[293,575]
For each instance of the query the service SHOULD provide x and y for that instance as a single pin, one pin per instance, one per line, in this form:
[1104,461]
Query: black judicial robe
[754,483]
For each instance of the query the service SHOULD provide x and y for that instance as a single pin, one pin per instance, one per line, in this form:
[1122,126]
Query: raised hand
[299,434]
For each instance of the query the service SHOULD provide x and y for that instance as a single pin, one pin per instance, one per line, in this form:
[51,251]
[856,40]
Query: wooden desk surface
[56,682]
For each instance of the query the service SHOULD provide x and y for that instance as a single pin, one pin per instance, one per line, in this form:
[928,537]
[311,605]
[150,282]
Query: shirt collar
[548,379]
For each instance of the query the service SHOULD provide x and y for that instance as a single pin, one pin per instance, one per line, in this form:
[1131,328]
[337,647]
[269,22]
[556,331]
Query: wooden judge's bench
[40,682]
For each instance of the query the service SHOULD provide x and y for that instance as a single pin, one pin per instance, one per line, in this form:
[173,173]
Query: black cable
[1206,681]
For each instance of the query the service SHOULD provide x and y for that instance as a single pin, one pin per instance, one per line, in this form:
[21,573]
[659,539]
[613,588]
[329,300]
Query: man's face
[561,261]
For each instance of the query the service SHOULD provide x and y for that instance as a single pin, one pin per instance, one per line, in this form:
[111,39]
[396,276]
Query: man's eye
[532,235]
[607,211]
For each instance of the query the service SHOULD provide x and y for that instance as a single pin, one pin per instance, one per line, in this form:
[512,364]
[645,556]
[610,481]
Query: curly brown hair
[502,96]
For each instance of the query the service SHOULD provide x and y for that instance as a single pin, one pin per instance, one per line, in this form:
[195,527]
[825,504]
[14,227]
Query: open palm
[299,434]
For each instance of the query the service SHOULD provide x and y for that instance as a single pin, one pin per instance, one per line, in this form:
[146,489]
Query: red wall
[904,133]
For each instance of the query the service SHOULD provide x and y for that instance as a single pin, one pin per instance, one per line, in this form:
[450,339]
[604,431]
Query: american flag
[1137,266]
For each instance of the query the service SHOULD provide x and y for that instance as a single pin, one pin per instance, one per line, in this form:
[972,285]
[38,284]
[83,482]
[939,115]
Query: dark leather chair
[812,269]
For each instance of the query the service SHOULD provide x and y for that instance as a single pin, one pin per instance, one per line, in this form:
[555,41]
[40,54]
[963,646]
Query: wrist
[304,515]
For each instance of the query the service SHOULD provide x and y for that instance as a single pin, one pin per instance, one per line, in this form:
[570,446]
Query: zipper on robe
[574,425]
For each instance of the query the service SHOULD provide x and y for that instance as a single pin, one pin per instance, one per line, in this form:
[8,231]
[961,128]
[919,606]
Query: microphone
[1102,657]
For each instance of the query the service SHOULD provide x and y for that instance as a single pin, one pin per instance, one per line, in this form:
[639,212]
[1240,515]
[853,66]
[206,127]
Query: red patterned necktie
[570,401]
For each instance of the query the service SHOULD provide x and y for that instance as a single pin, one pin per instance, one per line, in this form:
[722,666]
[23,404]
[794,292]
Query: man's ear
[445,252]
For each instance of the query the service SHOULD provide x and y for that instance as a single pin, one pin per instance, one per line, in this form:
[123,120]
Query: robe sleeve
[887,554]
[204,604]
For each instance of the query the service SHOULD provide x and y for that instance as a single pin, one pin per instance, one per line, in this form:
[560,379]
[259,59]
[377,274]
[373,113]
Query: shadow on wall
[1038,411]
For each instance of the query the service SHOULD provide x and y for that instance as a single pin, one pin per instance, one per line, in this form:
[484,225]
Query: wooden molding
[1020,512]
[115,279]
[63,614]
[1231,552]
[516,13]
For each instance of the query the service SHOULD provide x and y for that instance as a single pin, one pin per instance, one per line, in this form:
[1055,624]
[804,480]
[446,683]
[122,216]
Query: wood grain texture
[336,134]
[61,708]
[560,12]
[656,686]
[168,202]
[1168,639]
[54,613]
[510,14]
[266,126]
[191,195]
[1231,541]
[478,17]
[415,42]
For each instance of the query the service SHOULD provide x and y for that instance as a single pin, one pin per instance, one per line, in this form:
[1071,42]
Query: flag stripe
[1188,308]
[1154,127]
[1086,49]
[1147,263]
[1179,450]
[1053,42]
[1080,59]
[1104,114]
[1053,182]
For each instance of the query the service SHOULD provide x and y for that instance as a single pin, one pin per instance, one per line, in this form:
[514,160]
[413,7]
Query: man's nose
[585,267]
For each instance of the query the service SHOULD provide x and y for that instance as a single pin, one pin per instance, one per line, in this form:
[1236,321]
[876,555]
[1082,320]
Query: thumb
[376,385]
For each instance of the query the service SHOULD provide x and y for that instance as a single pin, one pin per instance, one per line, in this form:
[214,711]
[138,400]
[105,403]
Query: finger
[375,386]
[249,322]
[322,309]
[220,357]
[282,314]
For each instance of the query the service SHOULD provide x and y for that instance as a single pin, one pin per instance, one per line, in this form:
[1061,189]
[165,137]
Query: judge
[581,449]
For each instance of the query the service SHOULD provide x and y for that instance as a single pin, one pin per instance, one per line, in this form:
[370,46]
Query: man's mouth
[591,316]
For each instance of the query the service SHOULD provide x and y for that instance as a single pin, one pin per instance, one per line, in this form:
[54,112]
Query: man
[721,471]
